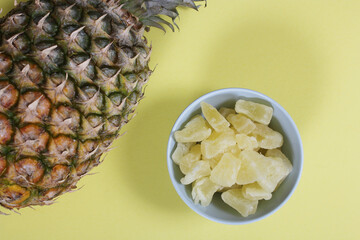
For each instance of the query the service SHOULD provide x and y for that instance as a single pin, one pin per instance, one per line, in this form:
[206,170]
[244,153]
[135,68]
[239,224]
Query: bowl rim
[170,162]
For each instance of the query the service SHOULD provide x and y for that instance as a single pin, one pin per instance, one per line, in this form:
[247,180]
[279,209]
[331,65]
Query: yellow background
[304,54]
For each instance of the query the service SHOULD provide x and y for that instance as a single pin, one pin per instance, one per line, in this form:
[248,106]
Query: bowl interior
[219,211]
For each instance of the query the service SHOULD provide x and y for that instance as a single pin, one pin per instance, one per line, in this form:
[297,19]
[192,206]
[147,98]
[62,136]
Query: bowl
[218,211]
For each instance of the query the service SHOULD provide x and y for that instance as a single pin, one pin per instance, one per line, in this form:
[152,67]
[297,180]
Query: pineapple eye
[22,43]
[20,19]
[95,120]
[5,63]
[115,120]
[5,129]
[50,26]
[116,98]
[109,72]
[90,90]
[2,165]
[82,39]
[75,12]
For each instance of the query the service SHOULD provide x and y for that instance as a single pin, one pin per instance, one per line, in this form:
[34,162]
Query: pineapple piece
[217,143]
[276,153]
[248,172]
[266,137]
[267,171]
[254,191]
[214,118]
[195,130]
[245,142]
[241,123]
[180,150]
[286,164]
[226,171]
[203,190]
[235,199]
[275,173]
[199,169]
[188,159]
[235,150]
[257,112]
[213,161]
[226,111]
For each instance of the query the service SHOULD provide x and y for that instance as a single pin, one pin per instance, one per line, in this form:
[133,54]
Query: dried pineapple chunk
[257,112]
[254,191]
[226,171]
[217,143]
[241,123]
[226,111]
[214,118]
[248,172]
[245,142]
[286,164]
[234,150]
[268,171]
[275,173]
[203,190]
[188,159]
[276,153]
[266,137]
[213,161]
[199,169]
[195,130]
[180,151]
[235,199]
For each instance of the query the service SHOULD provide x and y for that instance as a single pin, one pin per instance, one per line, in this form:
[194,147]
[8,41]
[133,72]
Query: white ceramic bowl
[218,211]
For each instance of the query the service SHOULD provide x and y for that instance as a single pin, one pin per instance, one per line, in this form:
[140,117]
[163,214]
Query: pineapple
[203,191]
[241,123]
[226,171]
[214,118]
[257,112]
[195,130]
[235,199]
[254,191]
[71,74]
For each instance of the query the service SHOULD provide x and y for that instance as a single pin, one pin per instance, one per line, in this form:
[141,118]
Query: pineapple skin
[71,74]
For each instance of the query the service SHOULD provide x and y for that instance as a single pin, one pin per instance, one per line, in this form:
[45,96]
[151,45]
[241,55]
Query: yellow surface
[304,54]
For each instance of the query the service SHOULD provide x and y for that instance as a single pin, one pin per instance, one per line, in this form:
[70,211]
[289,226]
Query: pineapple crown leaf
[148,11]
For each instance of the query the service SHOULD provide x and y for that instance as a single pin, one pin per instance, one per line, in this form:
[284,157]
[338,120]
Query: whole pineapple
[71,74]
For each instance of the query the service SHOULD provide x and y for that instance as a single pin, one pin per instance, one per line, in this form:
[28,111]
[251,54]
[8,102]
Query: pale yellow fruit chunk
[213,161]
[254,191]
[180,150]
[286,164]
[226,111]
[248,172]
[276,153]
[203,190]
[217,143]
[246,142]
[275,173]
[234,150]
[266,137]
[214,118]
[195,130]
[268,171]
[257,112]
[188,159]
[199,169]
[235,199]
[226,171]
[241,123]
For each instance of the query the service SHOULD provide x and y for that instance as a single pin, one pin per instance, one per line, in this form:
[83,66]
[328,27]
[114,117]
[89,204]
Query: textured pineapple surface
[71,74]
[225,154]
